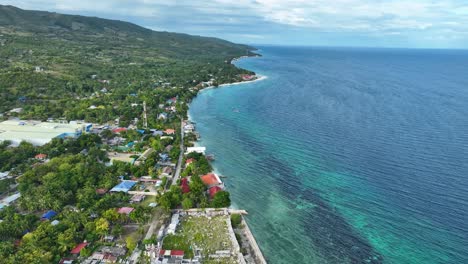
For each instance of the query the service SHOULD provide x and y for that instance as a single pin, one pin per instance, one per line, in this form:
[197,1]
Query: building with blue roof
[48,215]
[124,186]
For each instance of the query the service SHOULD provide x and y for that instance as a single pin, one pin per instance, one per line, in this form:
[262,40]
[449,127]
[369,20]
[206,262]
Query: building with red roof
[189,161]
[214,190]
[125,210]
[247,77]
[41,156]
[211,179]
[171,253]
[78,248]
[119,129]
[169,131]
[101,191]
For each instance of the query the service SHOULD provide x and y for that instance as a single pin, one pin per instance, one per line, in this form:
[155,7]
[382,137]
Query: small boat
[210,157]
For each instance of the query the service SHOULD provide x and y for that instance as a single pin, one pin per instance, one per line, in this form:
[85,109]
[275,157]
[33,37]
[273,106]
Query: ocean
[346,155]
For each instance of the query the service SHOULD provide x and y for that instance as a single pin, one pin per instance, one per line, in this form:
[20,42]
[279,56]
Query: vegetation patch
[208,234]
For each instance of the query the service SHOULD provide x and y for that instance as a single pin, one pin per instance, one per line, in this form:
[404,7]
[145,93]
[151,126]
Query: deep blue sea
[347,155]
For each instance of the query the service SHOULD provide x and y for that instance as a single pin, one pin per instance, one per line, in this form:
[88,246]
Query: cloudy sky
[375,23]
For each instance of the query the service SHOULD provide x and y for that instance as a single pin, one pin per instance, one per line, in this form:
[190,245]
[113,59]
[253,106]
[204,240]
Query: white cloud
[239,17]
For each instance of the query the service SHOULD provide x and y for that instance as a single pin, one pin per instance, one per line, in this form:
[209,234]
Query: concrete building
[39,133]
[196,149]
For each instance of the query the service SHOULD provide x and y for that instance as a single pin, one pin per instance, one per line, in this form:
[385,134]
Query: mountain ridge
[43,23]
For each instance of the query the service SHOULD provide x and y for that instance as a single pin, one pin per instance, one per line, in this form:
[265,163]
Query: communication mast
[145,118]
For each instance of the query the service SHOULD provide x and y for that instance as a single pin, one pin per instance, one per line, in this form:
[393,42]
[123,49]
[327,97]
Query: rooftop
[36,132]
[214,190]
[210,179]
[125,210]
[78,248]
[196,149]
[124,186]
[49,214]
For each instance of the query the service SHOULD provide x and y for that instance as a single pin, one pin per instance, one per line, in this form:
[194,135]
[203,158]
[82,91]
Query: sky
[367,23]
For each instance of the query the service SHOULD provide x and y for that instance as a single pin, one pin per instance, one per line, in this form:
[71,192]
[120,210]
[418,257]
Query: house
[196,149]
[41,156]
[162,116]
[171,254]
[147,179]
[119,129]
[211,179]
[157,132]
[123,186]
[164,157]
[55,222]
[168,148]
[48,215]
[137,198]
[106,254]
[76,250]
[214,190]
[171,100]
[189,128]
[4,175]
[167,171]
[158,183]
[169,131]
[125,210]
[109,238]
[189,161]
[9,200]
[247,77]
[16,110]
[101,191]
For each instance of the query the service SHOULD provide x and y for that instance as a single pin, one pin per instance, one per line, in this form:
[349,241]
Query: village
[151,226]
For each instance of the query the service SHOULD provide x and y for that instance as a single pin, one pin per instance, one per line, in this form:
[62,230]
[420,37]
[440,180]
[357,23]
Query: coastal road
[181,156]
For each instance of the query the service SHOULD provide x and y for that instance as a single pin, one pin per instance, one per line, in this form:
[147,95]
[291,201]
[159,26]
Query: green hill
[81,28]
[68,50]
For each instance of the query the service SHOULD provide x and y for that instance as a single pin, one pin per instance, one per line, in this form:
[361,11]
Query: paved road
[134,257]
[152,227]
[181,156]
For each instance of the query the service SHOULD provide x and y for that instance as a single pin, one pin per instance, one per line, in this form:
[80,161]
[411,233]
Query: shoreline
[259,78]
[253,245]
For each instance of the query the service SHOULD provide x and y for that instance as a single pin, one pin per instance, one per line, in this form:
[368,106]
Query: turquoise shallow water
[347,155]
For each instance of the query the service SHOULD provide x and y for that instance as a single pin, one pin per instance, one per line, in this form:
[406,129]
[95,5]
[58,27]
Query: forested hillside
[46,59]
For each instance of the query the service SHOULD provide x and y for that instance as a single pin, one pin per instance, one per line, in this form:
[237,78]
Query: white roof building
[36,132]
[196,149]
